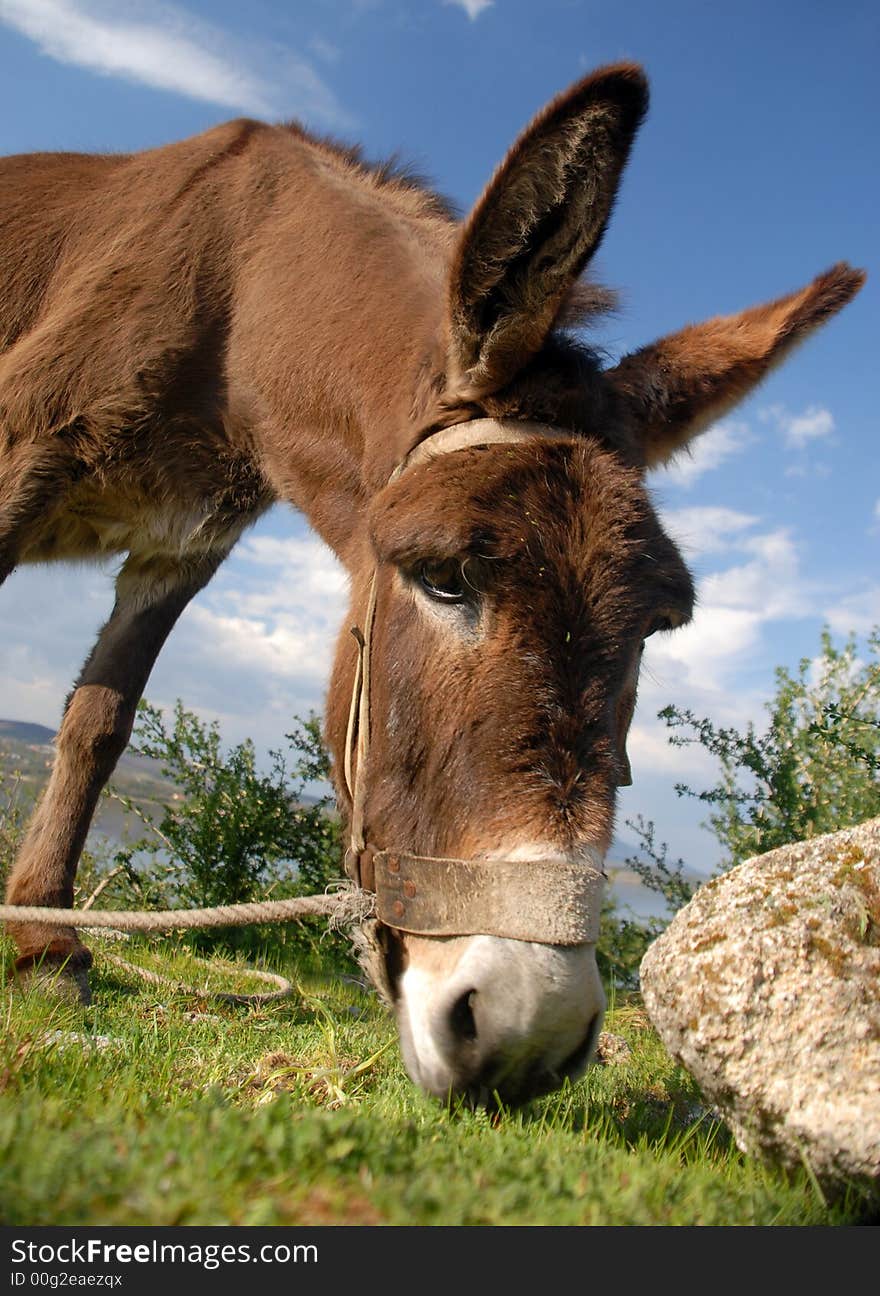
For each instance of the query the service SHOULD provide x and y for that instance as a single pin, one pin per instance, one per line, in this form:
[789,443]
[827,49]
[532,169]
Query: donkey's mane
[398,178]
[393,173]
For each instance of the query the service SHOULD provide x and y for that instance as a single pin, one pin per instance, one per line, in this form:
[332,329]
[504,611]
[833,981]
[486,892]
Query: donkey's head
[516,580]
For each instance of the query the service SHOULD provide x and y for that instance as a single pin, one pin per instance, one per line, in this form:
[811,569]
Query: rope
[348,906]
[344,906]
[285,987]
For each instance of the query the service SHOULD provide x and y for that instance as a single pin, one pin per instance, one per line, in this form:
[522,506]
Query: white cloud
[253,649]
[704,654]
[733,606]
[281,649]
[277,608]
[473,8]
[812,425]
[32,688]
[41,651]
[167,48]
[858,613]
[650,752]
[296,575]
[770,584]
[815,423]
[706,528]
[707,452]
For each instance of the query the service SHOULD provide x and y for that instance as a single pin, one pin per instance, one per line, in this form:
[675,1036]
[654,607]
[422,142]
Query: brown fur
[193,332]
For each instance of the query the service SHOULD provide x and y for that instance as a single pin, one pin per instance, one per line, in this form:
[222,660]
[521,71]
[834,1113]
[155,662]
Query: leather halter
[551,901]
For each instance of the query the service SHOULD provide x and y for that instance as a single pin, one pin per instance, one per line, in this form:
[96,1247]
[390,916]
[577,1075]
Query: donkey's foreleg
[97,725]
[34,481]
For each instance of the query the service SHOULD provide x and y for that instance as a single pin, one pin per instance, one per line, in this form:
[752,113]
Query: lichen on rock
[766,986]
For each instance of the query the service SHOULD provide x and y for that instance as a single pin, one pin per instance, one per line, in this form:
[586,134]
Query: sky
[756,169]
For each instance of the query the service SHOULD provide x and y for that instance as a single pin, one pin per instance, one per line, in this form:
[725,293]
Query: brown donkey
[191,333]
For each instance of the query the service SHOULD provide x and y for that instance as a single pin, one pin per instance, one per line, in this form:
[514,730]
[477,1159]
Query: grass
[155,1108]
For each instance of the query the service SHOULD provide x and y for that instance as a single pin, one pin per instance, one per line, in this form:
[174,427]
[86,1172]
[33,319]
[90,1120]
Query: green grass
[190,1112]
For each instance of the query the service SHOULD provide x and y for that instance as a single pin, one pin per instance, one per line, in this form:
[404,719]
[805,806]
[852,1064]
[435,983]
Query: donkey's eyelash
[467,580]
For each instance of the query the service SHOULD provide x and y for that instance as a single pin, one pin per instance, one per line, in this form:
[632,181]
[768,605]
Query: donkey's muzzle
[486,1075]
[511,1021]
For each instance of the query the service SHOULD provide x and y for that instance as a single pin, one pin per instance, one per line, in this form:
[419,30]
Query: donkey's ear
[536,226]
[672,390]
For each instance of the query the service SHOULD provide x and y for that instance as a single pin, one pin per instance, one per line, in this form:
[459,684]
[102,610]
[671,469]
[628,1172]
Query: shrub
[234,832]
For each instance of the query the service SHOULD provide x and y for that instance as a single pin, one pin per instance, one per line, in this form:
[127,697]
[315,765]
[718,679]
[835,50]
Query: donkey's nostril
[461,1017]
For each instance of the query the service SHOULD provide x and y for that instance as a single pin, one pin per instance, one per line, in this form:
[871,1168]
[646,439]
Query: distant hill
[27,750]
[622,850]
[23,731]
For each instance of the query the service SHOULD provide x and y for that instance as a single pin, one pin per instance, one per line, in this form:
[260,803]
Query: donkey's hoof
[67,985]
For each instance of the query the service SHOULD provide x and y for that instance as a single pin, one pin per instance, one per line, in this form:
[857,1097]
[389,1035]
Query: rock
[766,987]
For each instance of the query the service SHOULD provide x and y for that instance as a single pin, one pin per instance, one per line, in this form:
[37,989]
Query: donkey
[192,333]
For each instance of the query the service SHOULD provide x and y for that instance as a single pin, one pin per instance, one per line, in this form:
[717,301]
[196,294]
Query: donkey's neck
[341,307]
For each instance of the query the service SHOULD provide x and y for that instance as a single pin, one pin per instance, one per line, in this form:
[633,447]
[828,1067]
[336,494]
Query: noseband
[550,901]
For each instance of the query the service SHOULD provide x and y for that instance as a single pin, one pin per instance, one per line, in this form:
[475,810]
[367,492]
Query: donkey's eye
[443,581]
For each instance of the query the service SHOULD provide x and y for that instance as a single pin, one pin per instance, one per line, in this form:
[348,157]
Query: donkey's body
[192,333]
[171,366]
[151,302]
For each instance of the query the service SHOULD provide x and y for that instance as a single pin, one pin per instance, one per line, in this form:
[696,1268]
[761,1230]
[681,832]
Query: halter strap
[432,896]
[477,432]
[549,901]
[358,733]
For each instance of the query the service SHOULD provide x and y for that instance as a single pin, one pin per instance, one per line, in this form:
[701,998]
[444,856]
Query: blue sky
[756,169]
